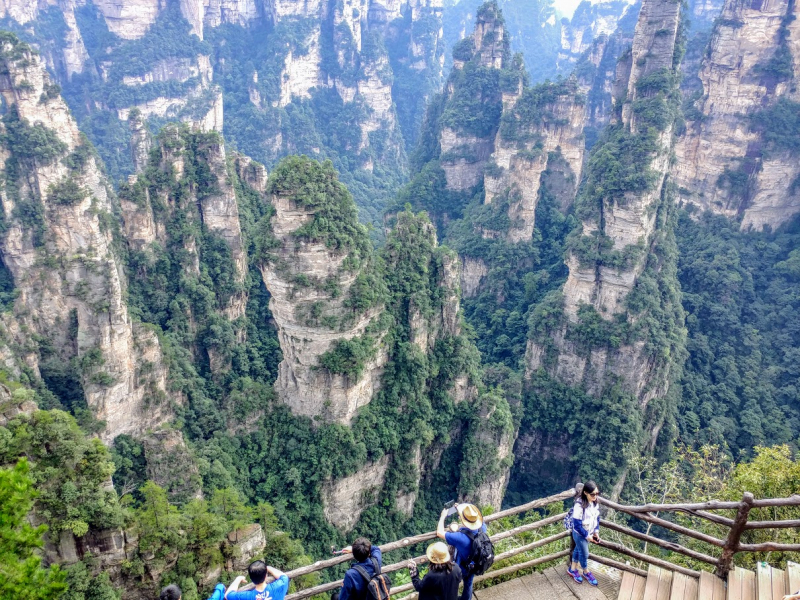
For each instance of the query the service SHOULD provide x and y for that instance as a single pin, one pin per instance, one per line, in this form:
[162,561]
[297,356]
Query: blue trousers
[581,553]
[467,593]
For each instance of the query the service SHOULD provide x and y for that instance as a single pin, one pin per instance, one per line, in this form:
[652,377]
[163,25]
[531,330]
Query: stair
[766,583]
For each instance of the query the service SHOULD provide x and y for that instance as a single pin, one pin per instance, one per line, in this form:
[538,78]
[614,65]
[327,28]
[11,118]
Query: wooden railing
[730,545]
[722,564]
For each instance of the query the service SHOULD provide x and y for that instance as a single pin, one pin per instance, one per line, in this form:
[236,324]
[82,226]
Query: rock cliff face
[724,163]
[624,252]
[506,136]
[590,22]
[429,370]
[59,248]
[626,224]
[356,75]
[541,130]
[314,301]
[209,207]
[346,499]
[466,146]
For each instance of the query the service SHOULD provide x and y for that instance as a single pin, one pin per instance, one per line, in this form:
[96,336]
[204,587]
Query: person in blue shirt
[472,522]
[258,571]
[354,586]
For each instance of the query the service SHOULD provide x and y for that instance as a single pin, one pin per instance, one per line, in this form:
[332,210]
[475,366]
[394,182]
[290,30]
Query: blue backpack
[568,519]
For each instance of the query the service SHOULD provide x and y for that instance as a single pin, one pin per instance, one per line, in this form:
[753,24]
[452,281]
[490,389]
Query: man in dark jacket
[367,556]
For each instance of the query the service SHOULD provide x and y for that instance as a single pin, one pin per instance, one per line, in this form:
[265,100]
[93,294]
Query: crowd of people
[463,552]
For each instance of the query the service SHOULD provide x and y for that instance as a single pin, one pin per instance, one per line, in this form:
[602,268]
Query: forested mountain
[345,81]
[569,274]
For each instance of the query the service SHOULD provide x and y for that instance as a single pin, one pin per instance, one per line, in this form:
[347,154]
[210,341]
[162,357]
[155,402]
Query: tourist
[367,564]
[462,541]
[585,529]
[443,577]
[258,571]
[171,592]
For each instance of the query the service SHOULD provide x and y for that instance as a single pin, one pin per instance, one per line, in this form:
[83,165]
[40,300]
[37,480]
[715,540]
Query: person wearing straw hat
[441,581]
[461,540]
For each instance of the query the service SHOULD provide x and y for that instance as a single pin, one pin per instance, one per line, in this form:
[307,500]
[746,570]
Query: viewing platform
[534,554]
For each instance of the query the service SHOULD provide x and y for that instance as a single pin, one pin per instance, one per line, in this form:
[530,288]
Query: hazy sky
[565,8]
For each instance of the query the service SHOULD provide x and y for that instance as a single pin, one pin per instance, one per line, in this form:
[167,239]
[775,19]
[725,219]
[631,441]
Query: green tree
[229,505]
[158,522]
[21,573]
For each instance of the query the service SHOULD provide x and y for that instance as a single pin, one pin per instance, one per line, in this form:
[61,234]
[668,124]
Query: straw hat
[438,553]
[471,516]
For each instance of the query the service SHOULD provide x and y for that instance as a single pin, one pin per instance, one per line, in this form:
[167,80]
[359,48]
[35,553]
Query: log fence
[722,564]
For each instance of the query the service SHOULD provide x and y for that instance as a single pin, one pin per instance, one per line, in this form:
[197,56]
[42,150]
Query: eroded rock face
[625,223]
[473,270]
[464,153]
[301,73]
[79,303]
[215,205]
[245,545]
[590,21]
[129,20]
[309,284]
[525,150]
[723,142]
[501,437]
[345,499]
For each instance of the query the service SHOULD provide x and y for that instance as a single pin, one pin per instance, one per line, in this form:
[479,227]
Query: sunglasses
[594,494]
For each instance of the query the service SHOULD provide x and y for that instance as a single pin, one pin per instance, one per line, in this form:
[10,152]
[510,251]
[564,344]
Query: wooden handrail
[793,523]
[604,560]
[735,534]
[542,502]
[651,508]
[793,500]
[491,574]
[645,513]
[531,546]
[768,547]
[649,559]
[665,524]
[718,519]
[659,542]
[529,527]
[410,541]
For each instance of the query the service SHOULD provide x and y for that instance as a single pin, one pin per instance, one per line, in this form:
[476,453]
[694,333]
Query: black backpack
[482,555]
[378,585]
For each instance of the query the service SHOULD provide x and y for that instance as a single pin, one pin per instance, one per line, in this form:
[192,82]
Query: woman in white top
[585,529]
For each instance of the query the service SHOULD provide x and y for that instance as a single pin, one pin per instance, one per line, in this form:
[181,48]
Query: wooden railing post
[732,542]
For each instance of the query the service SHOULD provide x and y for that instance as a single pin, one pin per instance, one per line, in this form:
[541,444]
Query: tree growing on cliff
[21,572]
